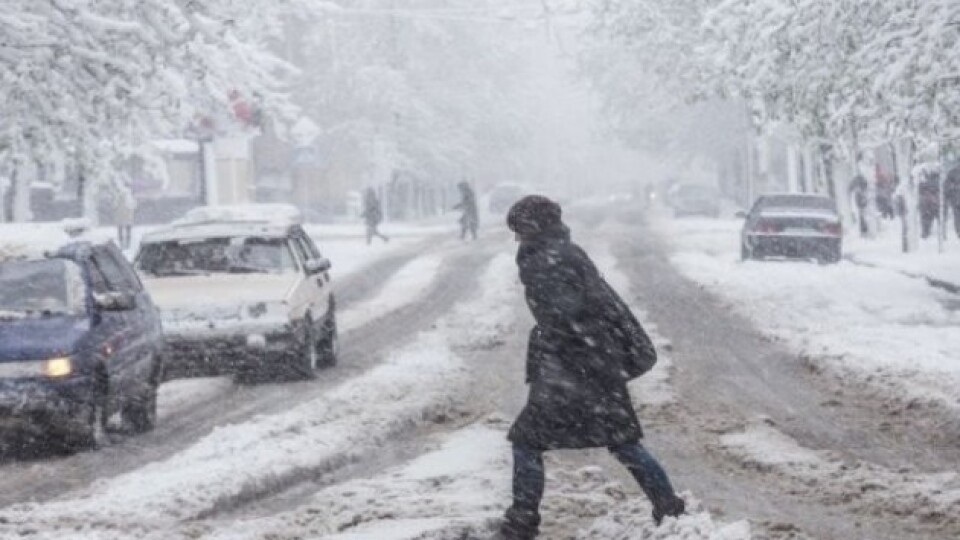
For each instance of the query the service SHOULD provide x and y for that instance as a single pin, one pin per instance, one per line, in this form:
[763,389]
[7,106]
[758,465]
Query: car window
[130,275]
[303,248]
[798,202]
[235,255]
[41,287]
[311,248]
[114,275]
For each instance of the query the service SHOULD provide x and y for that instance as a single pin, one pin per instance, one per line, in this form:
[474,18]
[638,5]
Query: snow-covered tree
[89,81]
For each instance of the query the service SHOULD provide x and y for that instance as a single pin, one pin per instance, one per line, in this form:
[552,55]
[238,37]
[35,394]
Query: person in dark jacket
[470,219]
[372,215]
[951,192]
[585,347]
[929,192]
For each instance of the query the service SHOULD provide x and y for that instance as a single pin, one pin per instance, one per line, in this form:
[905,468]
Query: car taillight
[831,228]
[768,227]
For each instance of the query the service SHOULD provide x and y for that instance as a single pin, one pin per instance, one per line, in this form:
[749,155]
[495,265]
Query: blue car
[80,340]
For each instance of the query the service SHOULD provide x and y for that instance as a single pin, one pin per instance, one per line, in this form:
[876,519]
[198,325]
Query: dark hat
[533,214]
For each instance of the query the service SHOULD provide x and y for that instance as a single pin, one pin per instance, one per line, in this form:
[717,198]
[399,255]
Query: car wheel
[307,359]
[330,347]
[140,415]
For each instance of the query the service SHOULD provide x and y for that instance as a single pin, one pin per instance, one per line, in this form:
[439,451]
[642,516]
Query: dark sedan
[80,339]
[799,226]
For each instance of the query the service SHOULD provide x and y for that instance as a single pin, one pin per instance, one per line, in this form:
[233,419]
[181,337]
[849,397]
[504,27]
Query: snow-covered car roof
[272,213]
[36,240]
[225,229]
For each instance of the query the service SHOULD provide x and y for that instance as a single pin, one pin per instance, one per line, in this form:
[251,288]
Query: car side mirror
[318,266]
[114,301]
[741,214]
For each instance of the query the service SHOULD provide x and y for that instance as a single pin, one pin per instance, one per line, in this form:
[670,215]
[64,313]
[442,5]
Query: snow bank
[459,486]
[405,287]
[885,251]
[933,499]
[874,325]
[625,523]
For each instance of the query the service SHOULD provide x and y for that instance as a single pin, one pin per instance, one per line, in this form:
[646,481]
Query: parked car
[793,225]
[694,200]
[80,339]
[241,289]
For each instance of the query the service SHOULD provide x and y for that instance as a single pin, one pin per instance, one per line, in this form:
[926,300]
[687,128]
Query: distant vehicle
[241,289]
[694,200]
[80,339]
[793,225]
[502,197]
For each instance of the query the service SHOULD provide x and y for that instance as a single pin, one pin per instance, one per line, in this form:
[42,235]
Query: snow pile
[932,499]
[458,487]
[630,520]
[872,325]
[885,251]
[405,287]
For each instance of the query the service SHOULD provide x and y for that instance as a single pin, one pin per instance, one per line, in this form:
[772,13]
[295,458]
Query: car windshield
[796,202]
[235,255]
[40,288]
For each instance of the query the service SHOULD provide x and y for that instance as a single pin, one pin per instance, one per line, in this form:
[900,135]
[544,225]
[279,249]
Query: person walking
[585,347]
[125,208]
[470,220]
[929,203]
[372,215]
[951,192]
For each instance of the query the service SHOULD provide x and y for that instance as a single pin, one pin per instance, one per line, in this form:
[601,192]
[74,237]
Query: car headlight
[57,368]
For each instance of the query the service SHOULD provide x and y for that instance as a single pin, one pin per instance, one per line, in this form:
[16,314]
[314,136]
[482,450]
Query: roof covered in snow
[273,213]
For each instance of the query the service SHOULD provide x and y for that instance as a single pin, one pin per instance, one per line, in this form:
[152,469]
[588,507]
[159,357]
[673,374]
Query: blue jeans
[528,478]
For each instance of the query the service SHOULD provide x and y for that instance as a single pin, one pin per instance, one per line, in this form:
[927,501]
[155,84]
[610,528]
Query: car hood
[41,338]
[219,291]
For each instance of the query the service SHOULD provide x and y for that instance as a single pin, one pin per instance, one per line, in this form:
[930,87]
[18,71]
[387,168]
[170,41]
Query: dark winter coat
[585,347]
[468,205]
[372,213]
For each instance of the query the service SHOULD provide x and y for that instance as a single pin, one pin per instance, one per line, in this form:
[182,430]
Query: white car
[241,289]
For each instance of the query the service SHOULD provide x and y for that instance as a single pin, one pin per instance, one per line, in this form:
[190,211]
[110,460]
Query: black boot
[673,508]
[519,524]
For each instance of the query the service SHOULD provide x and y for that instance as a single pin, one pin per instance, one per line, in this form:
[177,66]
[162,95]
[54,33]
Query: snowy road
[213,402]
[404,439]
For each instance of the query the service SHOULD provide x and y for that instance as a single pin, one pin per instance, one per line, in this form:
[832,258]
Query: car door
[318,285]
[129,332]
[146,325]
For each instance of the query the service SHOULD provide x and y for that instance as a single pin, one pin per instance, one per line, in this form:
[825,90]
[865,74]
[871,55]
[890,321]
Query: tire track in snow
[362,349]
[406,286]
[726,373]
[408,389]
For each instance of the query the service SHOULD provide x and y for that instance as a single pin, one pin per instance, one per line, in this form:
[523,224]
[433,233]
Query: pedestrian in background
[951,192]
[470,219]
[124,216]
[585,347]
[929,200]
[372,215]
